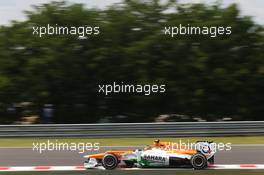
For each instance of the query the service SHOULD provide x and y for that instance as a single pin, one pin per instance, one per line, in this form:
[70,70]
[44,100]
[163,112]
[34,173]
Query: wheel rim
[198,161]
[109,161]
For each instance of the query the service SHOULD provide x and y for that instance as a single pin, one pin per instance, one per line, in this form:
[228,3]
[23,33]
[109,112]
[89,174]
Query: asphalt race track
[240,154]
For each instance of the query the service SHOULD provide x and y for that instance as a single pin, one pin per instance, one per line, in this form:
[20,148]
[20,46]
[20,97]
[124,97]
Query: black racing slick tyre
[129,164]
[198,161]
[211,160]
[110,161]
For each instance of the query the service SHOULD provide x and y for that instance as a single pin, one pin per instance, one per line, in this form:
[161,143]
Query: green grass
[27,142]
[149,172]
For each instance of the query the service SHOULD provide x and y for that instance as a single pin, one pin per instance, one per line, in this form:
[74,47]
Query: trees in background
[205,76]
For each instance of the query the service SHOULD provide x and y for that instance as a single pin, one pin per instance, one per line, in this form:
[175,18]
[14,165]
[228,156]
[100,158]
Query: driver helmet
[157,142]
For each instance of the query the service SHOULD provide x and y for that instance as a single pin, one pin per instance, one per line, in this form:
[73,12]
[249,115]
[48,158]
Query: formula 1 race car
[161,154]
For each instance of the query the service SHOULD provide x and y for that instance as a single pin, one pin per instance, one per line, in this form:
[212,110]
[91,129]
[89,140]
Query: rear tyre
[211,160]
[129,164]
[110,161]
[198,161]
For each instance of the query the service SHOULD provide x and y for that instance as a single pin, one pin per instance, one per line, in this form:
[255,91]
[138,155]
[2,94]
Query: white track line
[43,168]
[81,168]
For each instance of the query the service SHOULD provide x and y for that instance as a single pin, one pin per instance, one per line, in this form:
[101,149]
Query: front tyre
[110,161]
[198,161]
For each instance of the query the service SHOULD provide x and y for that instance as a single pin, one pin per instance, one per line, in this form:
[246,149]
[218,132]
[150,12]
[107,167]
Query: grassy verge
[19,142]
[153,172]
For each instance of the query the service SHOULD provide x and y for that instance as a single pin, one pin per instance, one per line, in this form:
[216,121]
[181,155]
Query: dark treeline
[204,76]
